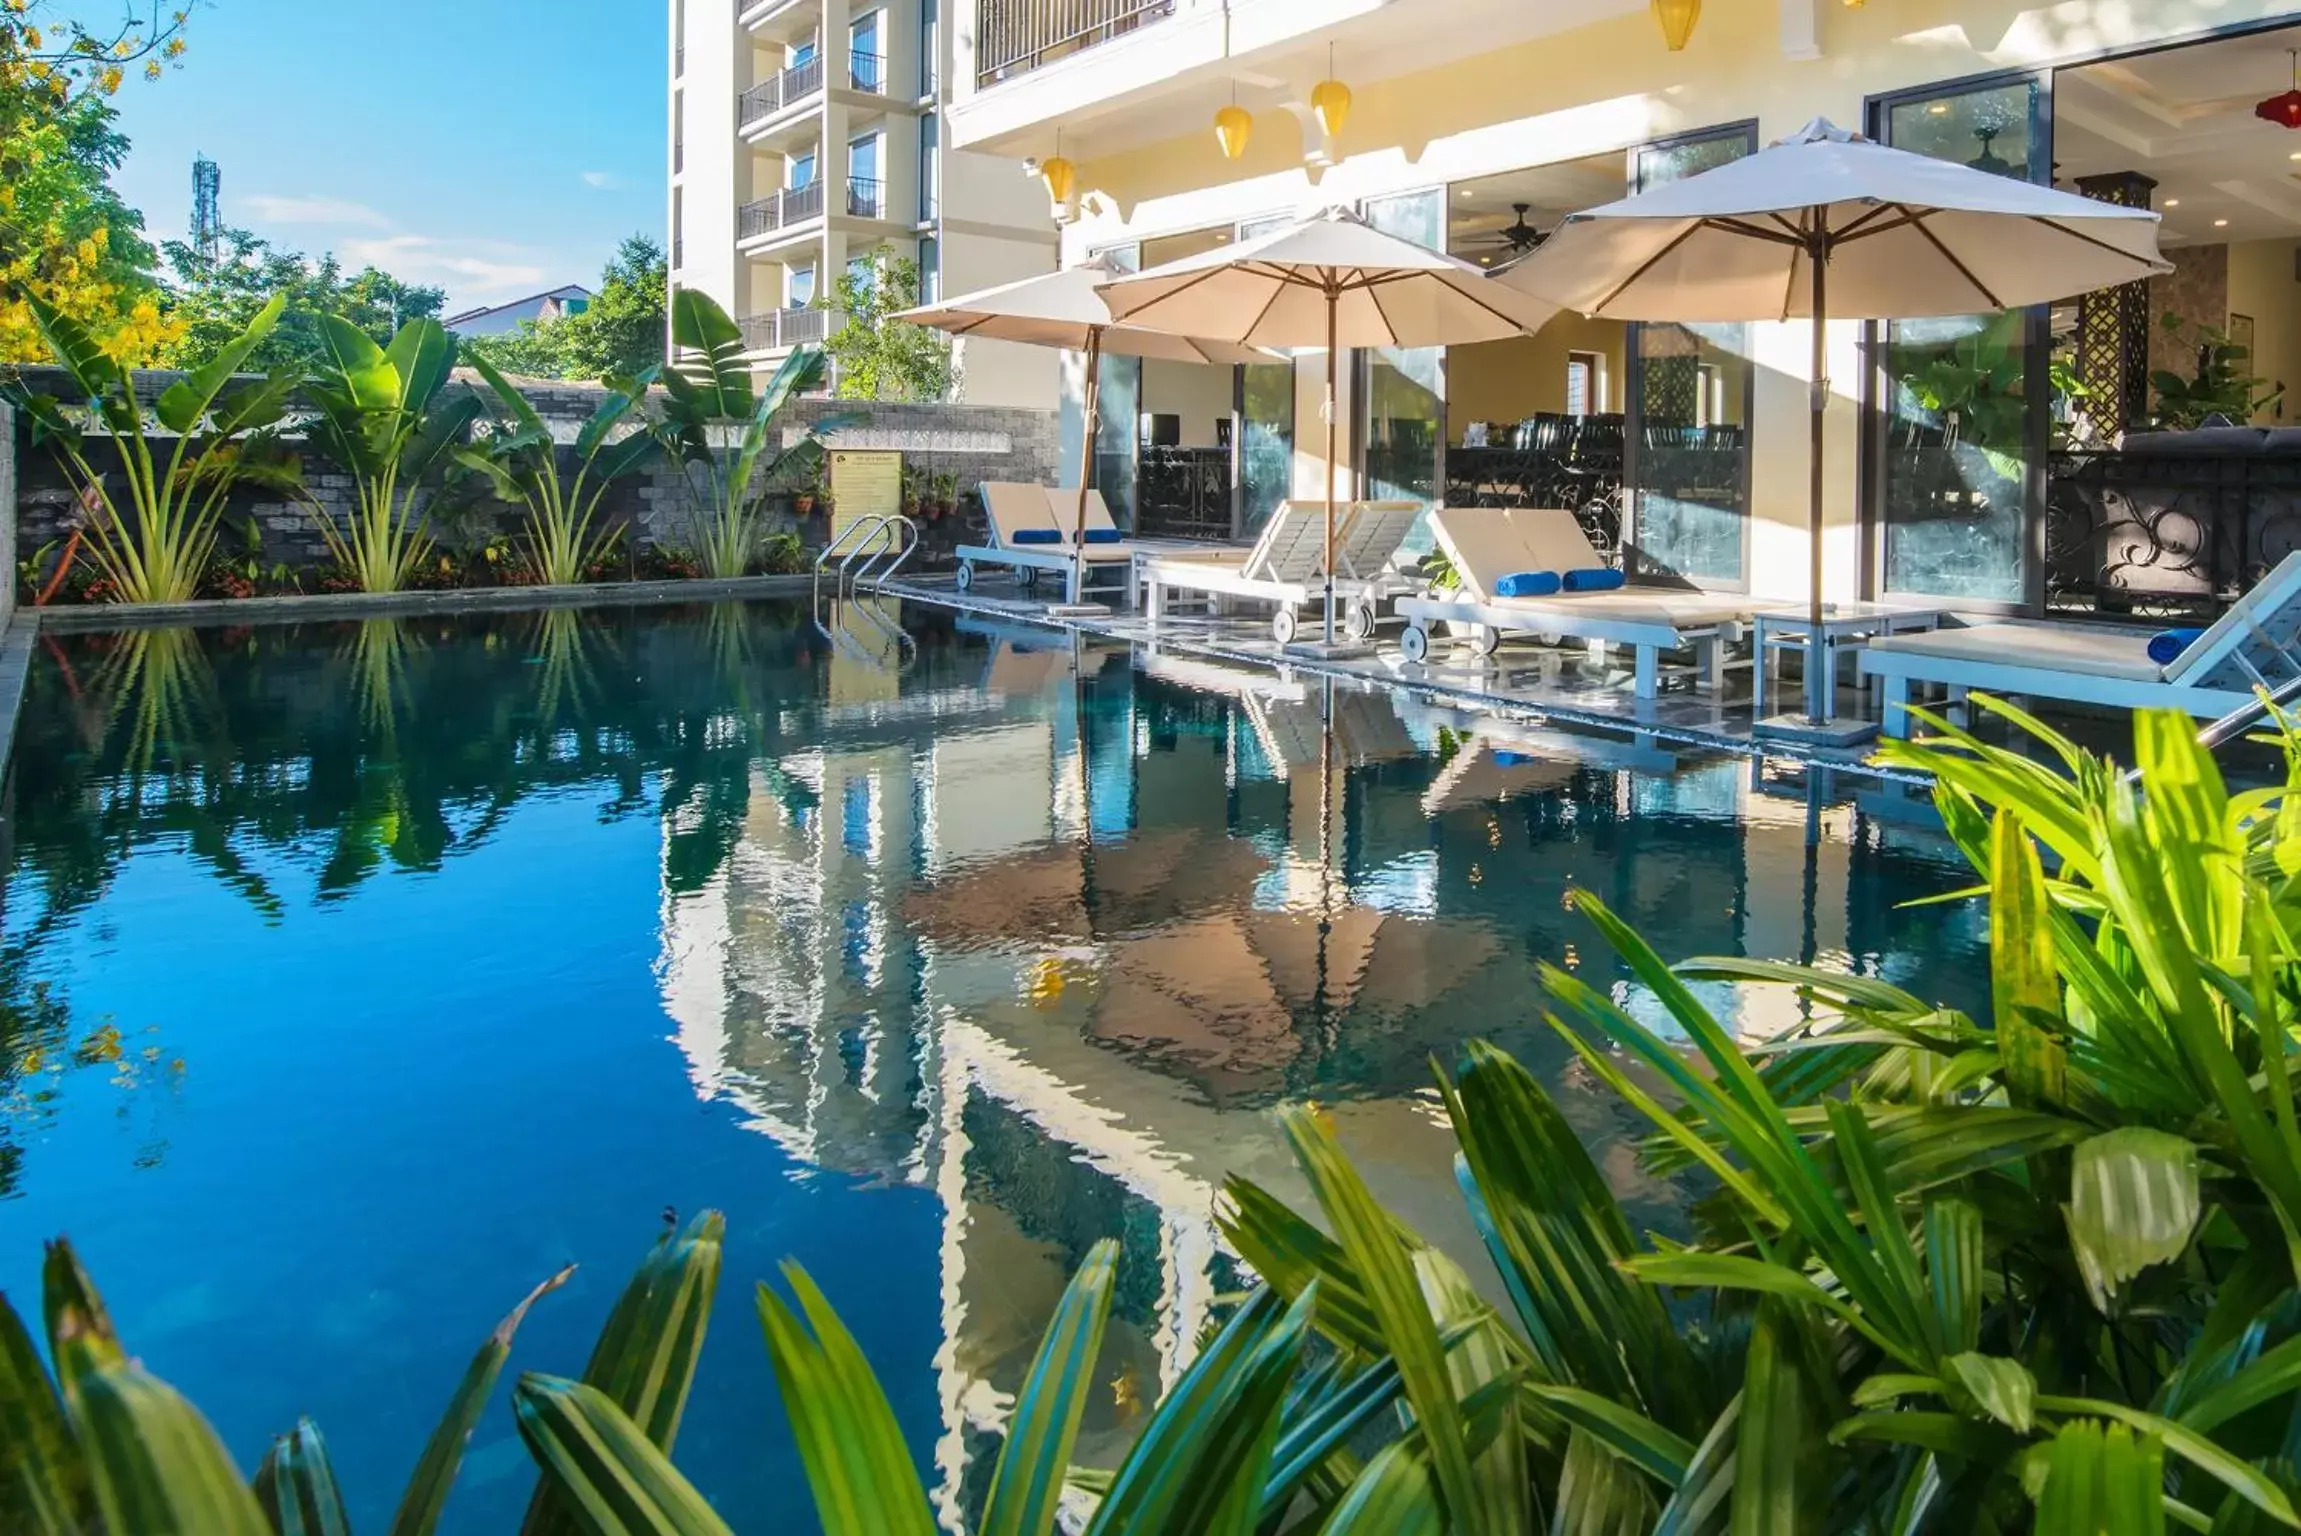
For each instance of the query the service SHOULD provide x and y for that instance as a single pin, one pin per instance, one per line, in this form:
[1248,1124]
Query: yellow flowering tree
[66,238]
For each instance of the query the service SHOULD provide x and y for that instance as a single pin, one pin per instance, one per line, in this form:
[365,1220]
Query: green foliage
[877,357]
[210,299]
[386,416]
[720,430]
[2219,387]
[520,460]
[154,537]
[1974,385]
[619,333]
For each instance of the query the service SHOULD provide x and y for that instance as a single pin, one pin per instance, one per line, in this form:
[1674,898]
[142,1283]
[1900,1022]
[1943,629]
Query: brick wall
[974,443]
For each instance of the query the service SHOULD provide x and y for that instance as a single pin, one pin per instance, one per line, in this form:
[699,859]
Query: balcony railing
[779,328]
[785,89]
[1018,36]
[867,71]
[792,205]
[866,198]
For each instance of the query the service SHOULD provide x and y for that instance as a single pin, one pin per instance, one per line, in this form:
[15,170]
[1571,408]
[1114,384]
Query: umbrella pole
[1819,682]
[1093,399]
[1332,299]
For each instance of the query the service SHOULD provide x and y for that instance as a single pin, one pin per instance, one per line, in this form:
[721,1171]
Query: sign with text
[865,483]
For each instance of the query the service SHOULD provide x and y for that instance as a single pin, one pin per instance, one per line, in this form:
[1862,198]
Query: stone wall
[974,443]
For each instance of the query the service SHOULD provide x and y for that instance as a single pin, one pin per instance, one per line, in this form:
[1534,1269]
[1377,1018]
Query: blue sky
[493,147]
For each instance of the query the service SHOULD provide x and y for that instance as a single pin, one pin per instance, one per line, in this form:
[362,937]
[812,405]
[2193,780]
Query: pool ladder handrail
[860,540]
[2237,722]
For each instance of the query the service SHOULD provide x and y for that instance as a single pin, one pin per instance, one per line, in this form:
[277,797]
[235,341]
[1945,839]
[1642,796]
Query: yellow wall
[1505,381]
[2264,283]
[1199,394]
[1611,85]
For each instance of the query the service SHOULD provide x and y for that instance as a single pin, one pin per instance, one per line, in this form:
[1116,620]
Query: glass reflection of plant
[1970,391]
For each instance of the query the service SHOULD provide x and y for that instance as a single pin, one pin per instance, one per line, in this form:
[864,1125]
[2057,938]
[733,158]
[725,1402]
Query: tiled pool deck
[1522,681]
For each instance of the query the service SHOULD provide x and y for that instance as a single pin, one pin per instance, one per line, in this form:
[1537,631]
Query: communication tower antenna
[207,209]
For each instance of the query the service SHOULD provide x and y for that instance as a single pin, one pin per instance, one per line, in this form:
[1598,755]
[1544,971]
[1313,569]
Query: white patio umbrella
[1332,281]
[1063,309]
[1827,223]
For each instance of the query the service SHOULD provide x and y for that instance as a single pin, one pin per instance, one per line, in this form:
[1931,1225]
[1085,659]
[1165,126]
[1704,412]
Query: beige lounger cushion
[2092,650]
[1011,506]
[1633,605]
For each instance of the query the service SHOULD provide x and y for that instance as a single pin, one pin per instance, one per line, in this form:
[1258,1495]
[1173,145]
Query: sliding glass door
[1687,433]
[1118,426]
[1958,443]
[1402,390]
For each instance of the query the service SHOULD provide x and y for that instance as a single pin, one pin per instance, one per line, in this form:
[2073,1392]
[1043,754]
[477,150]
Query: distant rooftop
[492,320]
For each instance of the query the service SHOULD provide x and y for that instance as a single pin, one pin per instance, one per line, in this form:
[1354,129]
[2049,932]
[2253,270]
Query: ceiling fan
[1516,238]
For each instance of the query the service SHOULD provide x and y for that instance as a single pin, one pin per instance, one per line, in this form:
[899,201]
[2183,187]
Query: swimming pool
[355,977]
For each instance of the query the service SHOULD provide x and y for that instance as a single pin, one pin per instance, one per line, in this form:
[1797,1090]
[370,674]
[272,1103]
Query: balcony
[785,89]
[781,210]
[867,72]
[781,328]
[1019,36]
[866,198]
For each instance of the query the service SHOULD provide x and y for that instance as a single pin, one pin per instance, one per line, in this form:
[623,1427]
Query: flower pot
[803,505]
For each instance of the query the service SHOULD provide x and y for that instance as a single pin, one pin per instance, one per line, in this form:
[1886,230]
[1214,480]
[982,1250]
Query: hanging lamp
[1232,126]
[1059,175]
[1677,18]
[1330,100]
[2284,109]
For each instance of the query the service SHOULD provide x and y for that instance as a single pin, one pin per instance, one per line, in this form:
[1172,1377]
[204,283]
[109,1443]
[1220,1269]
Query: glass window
[803,53]
[1266,445]
[1404,410]
[1687,404]
[801,287]
[930,47]
[930,270]
[865,193]
[865,56]
[1585,391]
[930,166]
[863,273]
[803,170]
[1121,404]
[1958,431]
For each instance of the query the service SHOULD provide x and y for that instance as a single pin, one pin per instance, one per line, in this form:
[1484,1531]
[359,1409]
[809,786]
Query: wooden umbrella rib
[2063,229]
[1501,315]
[1180,288]
[1648,265]
[1756,231]
[1917,222]
[1263,313]
[1855,230]
[1374,297]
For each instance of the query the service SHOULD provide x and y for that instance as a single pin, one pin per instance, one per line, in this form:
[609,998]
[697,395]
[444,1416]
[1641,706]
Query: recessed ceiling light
[2220,223]
[2173,202]
[1466,192]
[2296,155]
[1939,109]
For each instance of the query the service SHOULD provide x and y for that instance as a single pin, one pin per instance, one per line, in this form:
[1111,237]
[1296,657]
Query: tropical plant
[215,289]
[153,540]
[708,397]
[2219,387]
[386,416]
[520,459]
[619,331]
[879,357]
[1973,386]
[2036,1274]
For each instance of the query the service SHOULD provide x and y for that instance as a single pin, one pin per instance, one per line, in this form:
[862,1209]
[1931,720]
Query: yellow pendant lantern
[1677,18]
[1330,100]
[1232,127]
[1060,177]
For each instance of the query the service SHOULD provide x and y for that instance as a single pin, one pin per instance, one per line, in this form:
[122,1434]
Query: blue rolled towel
[2166,646]
[1600,579]
[1510,759]
[1038,536]
[1527,584]
[1104,536]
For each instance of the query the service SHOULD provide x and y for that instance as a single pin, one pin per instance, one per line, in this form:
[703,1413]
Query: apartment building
[1962,463]
[807,134]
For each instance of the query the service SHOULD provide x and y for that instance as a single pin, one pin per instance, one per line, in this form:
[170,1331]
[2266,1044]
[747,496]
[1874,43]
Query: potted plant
[803,497]
[915,485]
[946,494]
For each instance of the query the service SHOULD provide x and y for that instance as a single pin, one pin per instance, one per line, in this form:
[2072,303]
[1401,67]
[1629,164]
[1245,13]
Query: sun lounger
[1030,529]
[1286,566]
[2257,643]
[1486,544]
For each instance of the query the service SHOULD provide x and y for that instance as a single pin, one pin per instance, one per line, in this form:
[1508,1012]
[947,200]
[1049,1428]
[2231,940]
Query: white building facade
[805,135]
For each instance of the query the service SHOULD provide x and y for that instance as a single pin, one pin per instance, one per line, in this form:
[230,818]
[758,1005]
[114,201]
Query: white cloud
[271,208]
[602,181]
[472,271]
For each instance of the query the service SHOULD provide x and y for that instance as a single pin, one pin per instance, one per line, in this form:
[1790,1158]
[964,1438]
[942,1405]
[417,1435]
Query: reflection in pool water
[355,977]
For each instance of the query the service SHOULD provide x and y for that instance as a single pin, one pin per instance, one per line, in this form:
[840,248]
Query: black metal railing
[778,328]
[866,198]
[1017,36]
[2161,534]
[867,71]
[678,253]
[1548,460]
[780,210]
[784,89]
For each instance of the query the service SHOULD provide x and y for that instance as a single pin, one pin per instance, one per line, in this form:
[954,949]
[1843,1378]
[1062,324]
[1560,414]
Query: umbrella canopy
[1908,236]
[1333,281]
[1827,223]
[1063,309]
[1274,291]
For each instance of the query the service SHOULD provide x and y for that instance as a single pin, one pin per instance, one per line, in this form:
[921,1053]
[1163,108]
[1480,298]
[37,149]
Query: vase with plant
[946,494]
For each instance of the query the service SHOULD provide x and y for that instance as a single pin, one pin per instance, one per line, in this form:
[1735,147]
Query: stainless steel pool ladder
[2243,718]
[861,540]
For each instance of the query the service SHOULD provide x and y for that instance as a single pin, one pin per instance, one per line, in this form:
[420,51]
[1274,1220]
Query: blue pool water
[353,978]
